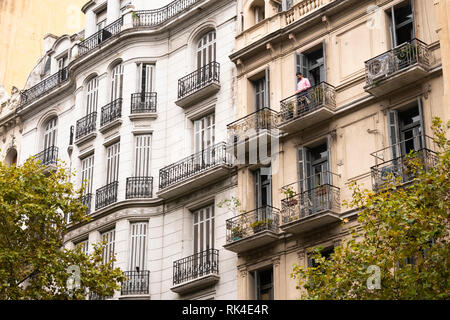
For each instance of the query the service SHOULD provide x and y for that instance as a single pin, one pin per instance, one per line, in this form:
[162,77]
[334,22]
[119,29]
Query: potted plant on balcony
[289,193]
[261,225]
[289,110]
[237,233]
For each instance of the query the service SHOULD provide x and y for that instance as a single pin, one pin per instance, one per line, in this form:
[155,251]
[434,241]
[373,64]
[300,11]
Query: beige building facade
[376,75]
[23,25]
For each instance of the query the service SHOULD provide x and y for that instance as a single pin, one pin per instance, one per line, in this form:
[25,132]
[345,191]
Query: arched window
[11,158]
[258,11]
[117,82]
[92,96]
[206,49]
[50,133]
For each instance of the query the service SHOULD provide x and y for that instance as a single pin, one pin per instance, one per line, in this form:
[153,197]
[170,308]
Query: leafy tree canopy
[33,261]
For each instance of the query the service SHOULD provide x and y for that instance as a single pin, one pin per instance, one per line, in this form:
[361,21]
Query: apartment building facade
[137,105]
[375,69]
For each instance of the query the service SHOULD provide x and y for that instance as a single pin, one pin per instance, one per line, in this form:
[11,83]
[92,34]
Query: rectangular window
[83,245]
[112,169]
[406,130]
[263,284]
[260,93]
[204,229]
[142,155]
[263,187]
[313,167]
[117,82]
[109,238]
[259,13]
[146,77]
[312,65]
[62,62]
[87,173]
[138,246]
[325,253]
[92,96]
[204,133]
[402,23]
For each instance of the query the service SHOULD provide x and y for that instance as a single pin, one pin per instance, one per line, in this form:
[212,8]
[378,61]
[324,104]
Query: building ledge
[86,138]
[115,123]
[310,222]
[143,116]
[196,284]
[257,240]
[198,95]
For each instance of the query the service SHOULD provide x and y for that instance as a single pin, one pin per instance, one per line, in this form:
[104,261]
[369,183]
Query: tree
[33,261]
[402,233]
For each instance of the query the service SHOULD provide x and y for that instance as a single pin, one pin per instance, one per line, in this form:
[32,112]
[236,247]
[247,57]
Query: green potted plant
[237,233]
[261,225]
[289,193]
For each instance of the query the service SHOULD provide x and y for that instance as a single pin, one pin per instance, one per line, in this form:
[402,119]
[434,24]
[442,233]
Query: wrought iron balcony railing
[302,103]
[143,102]
[199,79]
[99,37]
[48,157]
[151,18]
[86,125]
[251,223]
[139,187]
[106,195]
[399,58]
[262,120]
[111,112]
[392,162]
[194,164]
[196,266]
[86,200]
[137,282]
[44,86]
[309,196]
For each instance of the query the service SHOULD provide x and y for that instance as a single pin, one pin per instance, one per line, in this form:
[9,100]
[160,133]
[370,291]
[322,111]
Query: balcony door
[203,241]
[402,23]
[138,246]
[204,139]
[206,49]
[312,65]
[146,77]
[92,96]
[117,82]
[50,133]
[109,238]
[263,189]
[87,174]
[112,165]
[406,130]
[314,177]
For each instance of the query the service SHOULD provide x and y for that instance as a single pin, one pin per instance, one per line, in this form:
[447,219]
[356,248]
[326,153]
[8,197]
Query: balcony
[106,195]
[252,134]
[311,203]
[86,200]
[111,115]
[196,272]
[143,105]
[397,68]
[392,163]
[195,171]
[86,127]
[139,187]
[307,108]
[199,85]
[48,158]
[137,283]
[99,37]
[44,86]
[252,229]
[156,17]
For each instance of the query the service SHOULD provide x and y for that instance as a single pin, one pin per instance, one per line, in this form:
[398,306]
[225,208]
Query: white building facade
[137,105]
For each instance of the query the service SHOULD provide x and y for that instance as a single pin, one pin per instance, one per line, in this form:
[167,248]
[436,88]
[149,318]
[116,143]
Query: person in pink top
[302,99]
[303,83]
